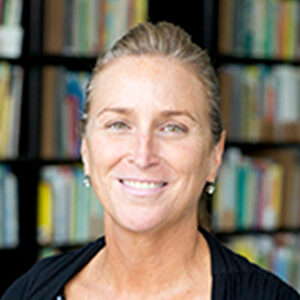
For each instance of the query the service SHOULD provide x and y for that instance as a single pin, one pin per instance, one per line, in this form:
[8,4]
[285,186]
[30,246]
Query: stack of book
[84,27]
[68,212]
[11,31]
[9,230]
[261,103]
[259,192]
[279,254]
[11,81]
[262,29]
[62,107]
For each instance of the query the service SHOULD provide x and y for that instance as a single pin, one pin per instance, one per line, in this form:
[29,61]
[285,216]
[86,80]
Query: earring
[210,187]
[87,181]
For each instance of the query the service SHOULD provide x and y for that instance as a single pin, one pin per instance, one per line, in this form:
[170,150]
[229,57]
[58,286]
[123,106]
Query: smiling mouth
[142,184]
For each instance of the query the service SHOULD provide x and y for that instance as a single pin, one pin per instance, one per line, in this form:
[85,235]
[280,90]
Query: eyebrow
[169,113]
[165,113]
[119,110]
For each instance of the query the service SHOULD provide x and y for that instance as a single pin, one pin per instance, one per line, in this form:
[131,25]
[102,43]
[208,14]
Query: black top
[234,277]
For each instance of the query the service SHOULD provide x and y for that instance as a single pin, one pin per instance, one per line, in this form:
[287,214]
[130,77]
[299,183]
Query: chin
[141,220]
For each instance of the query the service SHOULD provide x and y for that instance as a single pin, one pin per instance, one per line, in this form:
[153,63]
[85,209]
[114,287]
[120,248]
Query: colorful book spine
[11,81]
[257,192]
[262,29]
[68,213]
[261,103]
[279,254]
[62,107]
[88,26]
[9,229]
[11,31]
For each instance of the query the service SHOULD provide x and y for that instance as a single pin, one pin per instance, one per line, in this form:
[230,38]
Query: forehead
[144,79]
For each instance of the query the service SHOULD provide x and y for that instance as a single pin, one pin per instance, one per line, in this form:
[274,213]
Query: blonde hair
[167,40]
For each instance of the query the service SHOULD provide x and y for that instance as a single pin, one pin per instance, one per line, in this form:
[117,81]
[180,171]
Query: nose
[144,152]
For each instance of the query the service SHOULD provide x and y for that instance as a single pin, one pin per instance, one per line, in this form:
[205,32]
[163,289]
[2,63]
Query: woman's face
[148,144]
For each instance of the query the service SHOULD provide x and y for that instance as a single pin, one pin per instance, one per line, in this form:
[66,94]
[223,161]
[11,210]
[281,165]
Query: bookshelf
[36,58]
[254,37]
[28,164]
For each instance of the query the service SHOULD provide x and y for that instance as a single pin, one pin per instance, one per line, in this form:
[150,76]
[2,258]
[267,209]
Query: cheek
[105,151]
[187,157]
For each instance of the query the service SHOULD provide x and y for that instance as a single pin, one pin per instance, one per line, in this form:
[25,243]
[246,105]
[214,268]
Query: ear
[216,158]
[85,156]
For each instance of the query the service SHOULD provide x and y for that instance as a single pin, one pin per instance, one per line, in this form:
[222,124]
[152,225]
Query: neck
[155,261]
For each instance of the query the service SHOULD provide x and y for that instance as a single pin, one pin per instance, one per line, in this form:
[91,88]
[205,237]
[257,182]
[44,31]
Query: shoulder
[35,278]
[248,281]
[49,275]
[236,276]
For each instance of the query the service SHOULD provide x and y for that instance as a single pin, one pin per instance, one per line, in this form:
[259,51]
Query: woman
[152,144]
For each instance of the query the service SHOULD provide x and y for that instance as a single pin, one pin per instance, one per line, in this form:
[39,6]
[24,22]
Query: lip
[142,192]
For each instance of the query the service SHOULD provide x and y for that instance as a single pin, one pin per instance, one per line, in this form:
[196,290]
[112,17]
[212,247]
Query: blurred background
[47,51]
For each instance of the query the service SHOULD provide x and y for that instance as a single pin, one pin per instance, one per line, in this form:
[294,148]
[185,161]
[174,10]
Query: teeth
[142,185]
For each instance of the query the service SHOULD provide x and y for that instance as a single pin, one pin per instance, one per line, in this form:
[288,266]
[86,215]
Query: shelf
[223,234]
[76,63]
[19,248]
[218,234]
[261,145]
[59,161]
[13,61]
[224,59]
[63,247]
[19,160]
[56,161]
[15,262]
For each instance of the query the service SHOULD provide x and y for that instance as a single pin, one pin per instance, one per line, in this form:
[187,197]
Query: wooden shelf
[223,234]
[59,161]
[54,161]
[13,61]
[261,145]
[71,62]
[227,59]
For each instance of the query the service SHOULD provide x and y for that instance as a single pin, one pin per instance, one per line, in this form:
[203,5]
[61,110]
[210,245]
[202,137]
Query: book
[16,106]
[11,81]
[261,29]
[258,29]
[54,24]
[9,230]
[271,206]
[5,109]
[289,160]
[261,103]
[1,203]
[141,12]
[278,254]
[85,27]
[48,112]
[45,213]
[10,212]
[259,190]
[68,213]
[297,32]
[11,31]
[62,106]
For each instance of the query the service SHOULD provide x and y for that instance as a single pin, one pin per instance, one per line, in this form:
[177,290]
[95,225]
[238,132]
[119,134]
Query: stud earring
[210,187]
[87,181]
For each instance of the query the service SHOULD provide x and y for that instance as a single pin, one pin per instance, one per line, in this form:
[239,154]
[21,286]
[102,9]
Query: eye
[118,125]
[173,128]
